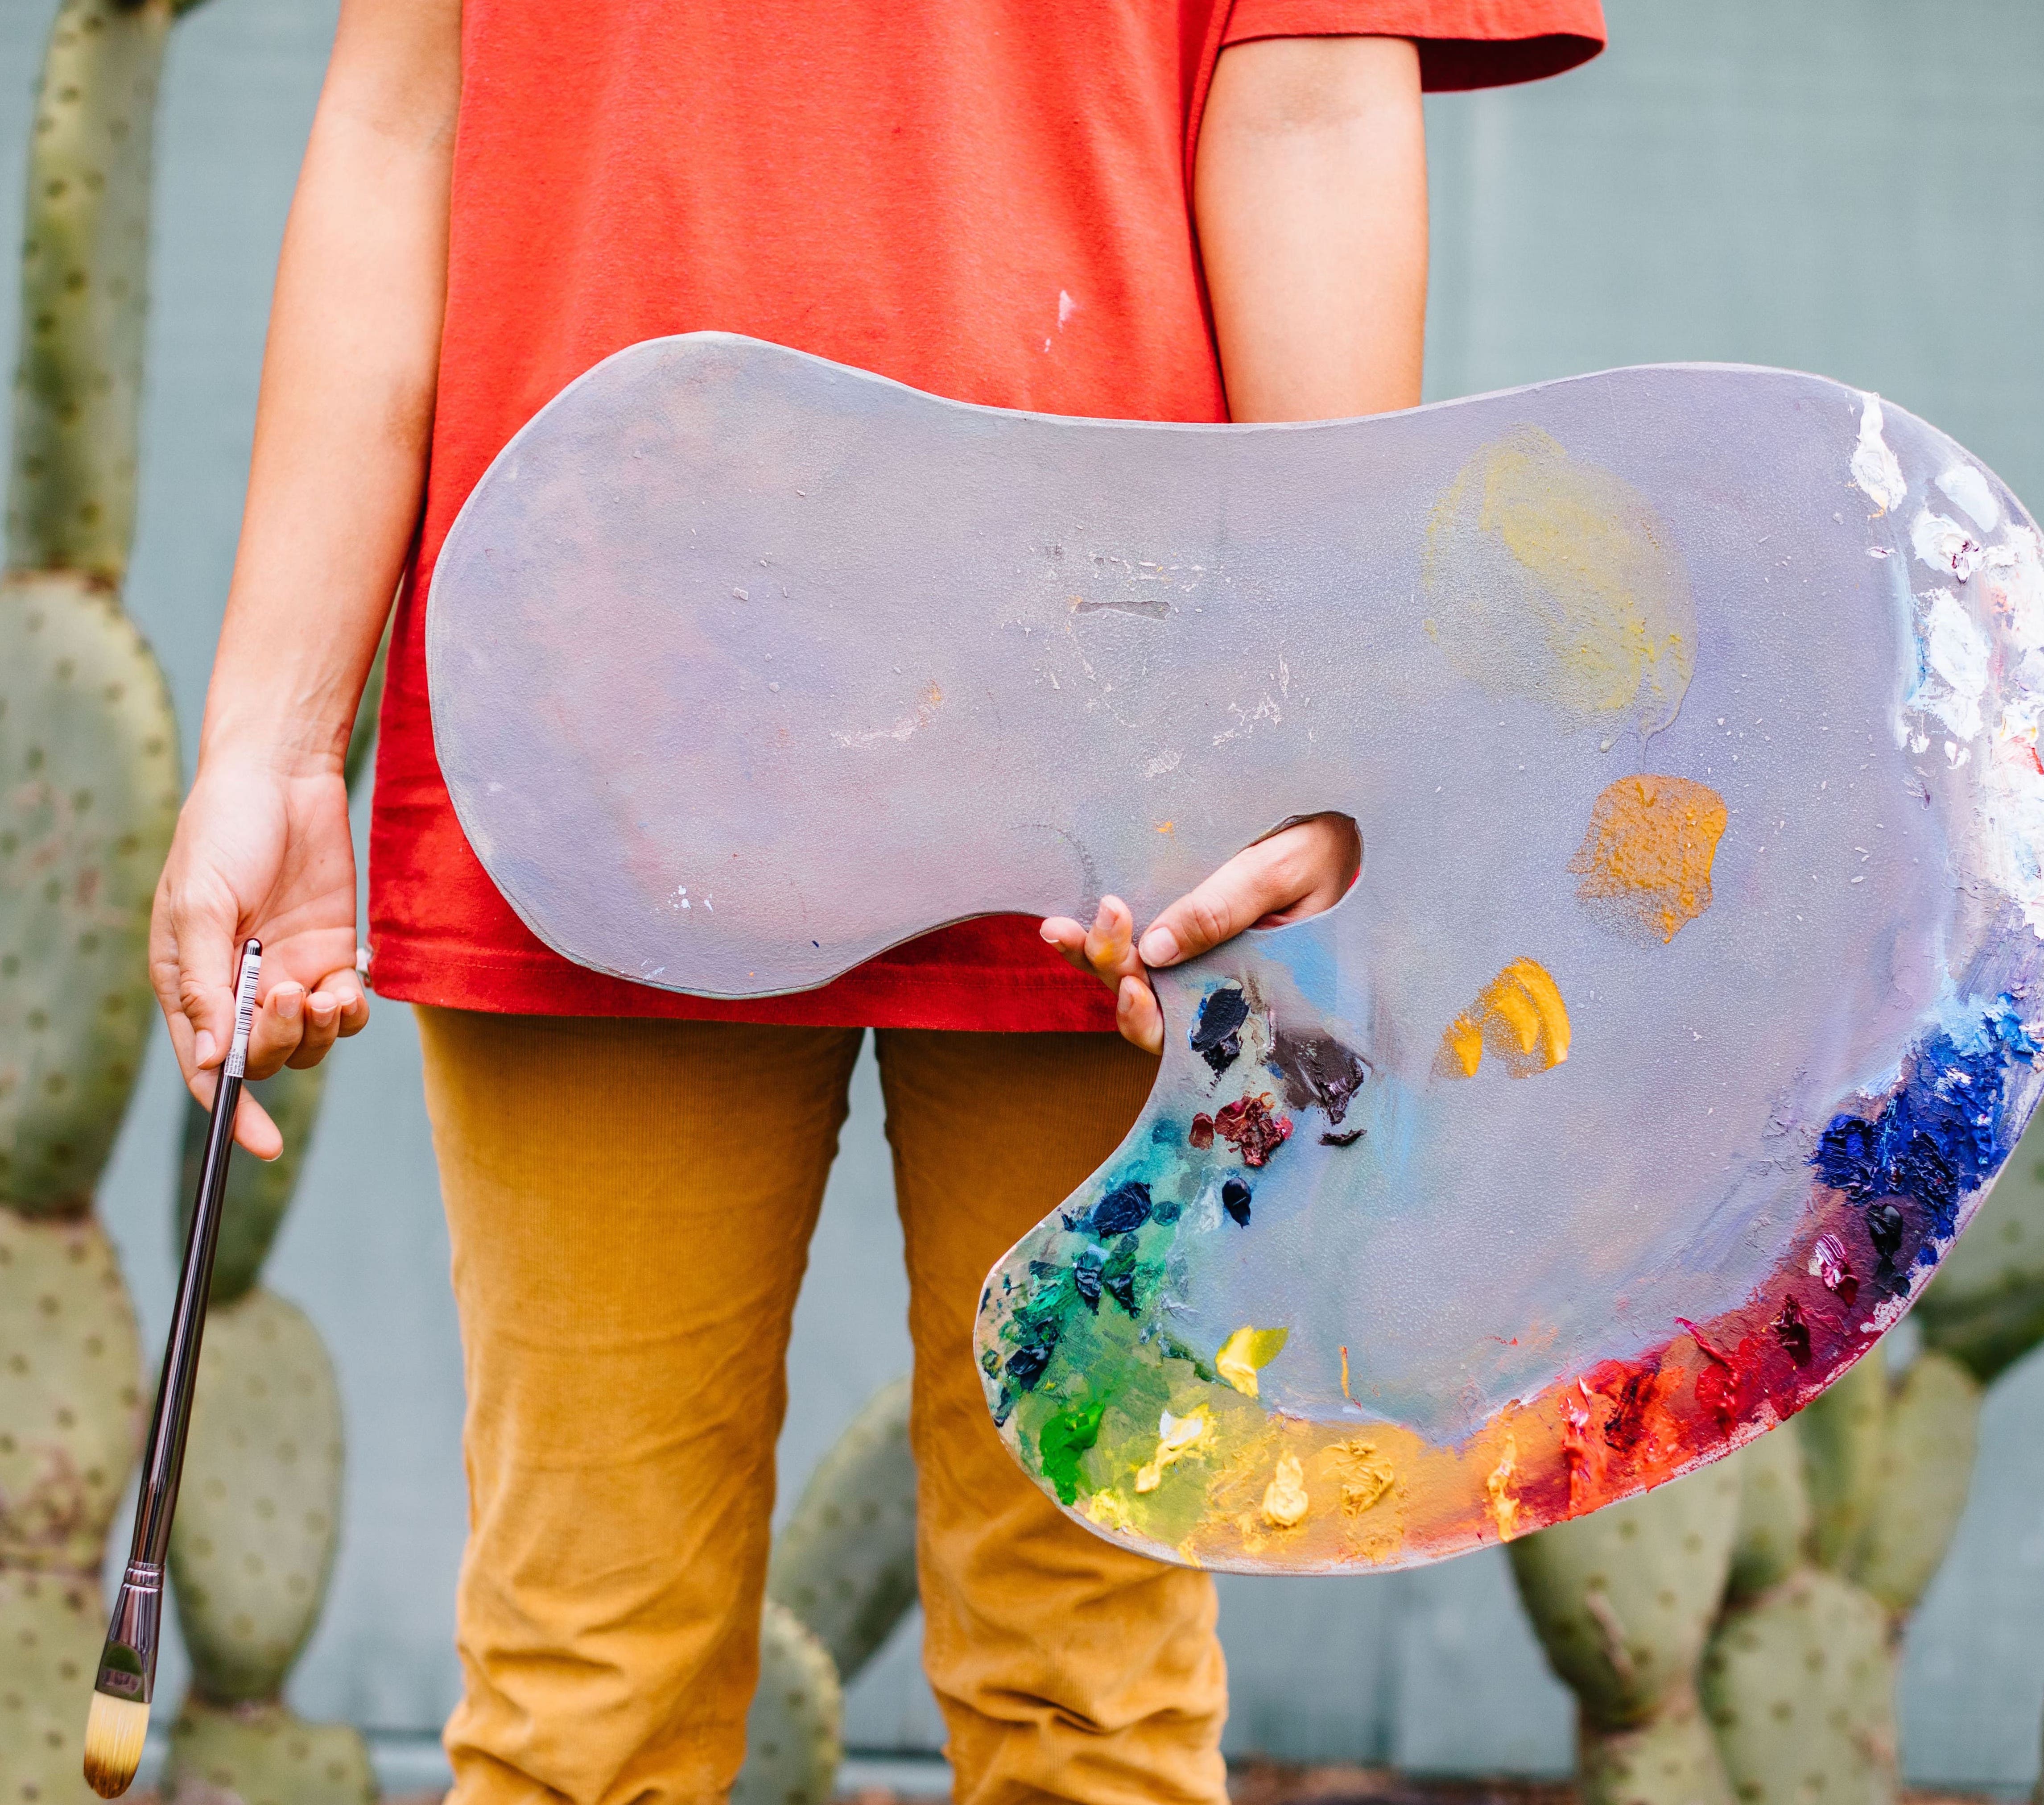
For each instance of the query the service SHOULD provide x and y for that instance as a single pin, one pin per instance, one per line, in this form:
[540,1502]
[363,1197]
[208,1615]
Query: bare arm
[1310,194]
[342,428]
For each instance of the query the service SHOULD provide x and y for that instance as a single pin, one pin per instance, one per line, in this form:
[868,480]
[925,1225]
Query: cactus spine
[89,784]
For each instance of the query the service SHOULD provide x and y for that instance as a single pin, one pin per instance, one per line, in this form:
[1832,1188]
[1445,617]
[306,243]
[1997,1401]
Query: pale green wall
[1851,188]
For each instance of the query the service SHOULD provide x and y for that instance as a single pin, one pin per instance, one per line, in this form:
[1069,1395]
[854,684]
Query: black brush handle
[163,1464]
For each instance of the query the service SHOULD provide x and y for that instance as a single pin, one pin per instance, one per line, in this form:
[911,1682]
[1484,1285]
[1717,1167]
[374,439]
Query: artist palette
[1680,1016]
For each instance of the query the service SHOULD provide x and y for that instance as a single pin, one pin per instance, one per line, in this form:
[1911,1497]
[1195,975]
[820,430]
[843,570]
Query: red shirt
[987,199]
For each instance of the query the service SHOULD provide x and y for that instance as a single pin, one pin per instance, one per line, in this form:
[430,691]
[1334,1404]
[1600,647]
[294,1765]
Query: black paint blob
[1793,1332]
[1026,1364]
[1086,1281]
[1235,1200]
[1217,1034]
[1319,1072]
[1347,1137]
[1884,1229]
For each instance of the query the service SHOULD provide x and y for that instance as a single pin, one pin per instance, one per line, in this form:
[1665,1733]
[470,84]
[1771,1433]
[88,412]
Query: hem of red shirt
[986,999]
[1463,43]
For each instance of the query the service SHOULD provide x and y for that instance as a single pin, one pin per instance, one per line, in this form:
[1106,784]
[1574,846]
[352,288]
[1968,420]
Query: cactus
[845,1564]
[258,1191]
[1621,1601]
[1843,1434]
[1799,1680]
[1926,1462]
[1985,1308]
[1799,1687]
[52,1625]
[259,1512]
[70,1396]
[793,1731]
[1773,1515]
[89,782]
[88,748]
[842,1575]
[85,290]
[264,1754]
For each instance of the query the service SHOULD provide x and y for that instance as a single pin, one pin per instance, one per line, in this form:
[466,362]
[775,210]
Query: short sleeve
[1463,44]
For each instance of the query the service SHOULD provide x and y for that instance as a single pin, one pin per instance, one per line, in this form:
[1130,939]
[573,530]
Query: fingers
[1107,949]
[192,958]
[253,1129]
[1137,1015]
[1298,871]
[297,1027]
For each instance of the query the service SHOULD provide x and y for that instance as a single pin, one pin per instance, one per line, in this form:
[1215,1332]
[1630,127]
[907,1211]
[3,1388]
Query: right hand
[258,852]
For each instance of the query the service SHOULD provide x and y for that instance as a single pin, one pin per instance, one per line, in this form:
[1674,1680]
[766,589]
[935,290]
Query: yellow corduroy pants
[630,1204]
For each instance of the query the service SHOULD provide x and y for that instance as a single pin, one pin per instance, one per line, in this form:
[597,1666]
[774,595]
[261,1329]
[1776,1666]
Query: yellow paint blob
[1245,1352]
[1110,1509]
[1285,1501]
[1557,580]
[1519,1019]
[1366,1474]
[1178,1439]
[1646,861]
[1503,1499]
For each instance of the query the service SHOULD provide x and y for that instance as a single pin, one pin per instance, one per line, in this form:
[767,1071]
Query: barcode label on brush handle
[244,1011]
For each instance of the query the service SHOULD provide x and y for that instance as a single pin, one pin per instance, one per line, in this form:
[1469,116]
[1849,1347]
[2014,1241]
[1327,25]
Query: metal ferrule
[128,1663]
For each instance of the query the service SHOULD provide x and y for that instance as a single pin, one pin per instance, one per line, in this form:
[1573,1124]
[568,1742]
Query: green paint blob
[1061,1443]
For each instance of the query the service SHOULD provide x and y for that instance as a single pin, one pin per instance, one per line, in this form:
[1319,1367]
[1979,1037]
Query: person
[1177,210]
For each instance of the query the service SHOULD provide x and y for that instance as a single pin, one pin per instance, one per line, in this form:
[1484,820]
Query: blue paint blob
[1125,1207]
[1942,1134]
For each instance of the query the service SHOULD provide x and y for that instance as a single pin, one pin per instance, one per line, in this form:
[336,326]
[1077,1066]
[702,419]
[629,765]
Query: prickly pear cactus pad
[793,1738]
[70,1405]
[1681,1015]
[1799,1685]
[845,1563]
[89,755]
[259,1510]
[52,1627]
[265,1754]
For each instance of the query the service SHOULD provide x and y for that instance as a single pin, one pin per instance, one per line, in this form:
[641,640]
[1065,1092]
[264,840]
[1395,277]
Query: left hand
[1298,871]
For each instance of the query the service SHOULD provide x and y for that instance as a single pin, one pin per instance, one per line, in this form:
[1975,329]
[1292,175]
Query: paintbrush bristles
[113,1738]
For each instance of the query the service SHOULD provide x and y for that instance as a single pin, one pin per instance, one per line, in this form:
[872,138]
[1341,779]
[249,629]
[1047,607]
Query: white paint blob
[1968,489]
[1874,466]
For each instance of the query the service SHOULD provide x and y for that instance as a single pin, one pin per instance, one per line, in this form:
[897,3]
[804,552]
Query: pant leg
[630,1205]
[1066,1668]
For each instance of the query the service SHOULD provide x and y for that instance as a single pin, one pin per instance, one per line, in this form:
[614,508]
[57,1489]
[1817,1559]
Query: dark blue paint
[1217,1034]
[1942,1134]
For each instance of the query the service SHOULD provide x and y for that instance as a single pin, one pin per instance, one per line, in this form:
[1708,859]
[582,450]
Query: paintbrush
[120,1719]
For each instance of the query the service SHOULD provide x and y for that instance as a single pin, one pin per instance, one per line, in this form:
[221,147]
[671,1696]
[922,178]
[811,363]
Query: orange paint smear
[1519,1019]
[1646,861]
